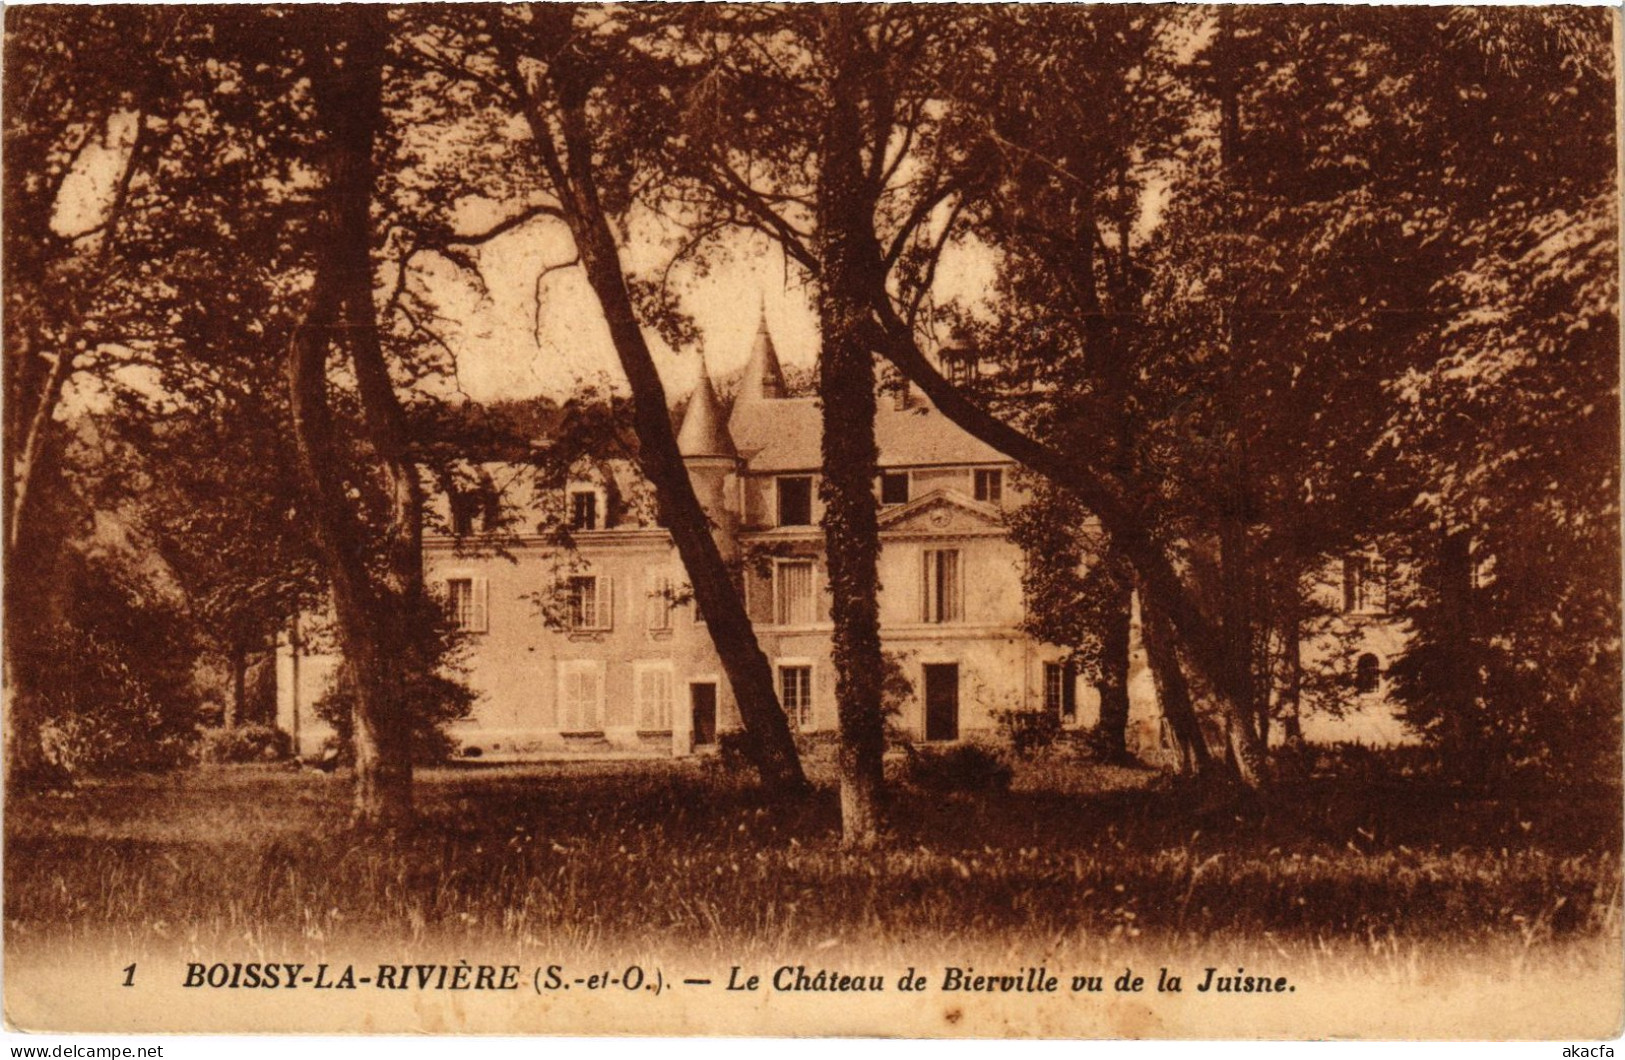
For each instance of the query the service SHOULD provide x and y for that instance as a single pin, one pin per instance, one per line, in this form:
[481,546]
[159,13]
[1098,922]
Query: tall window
[942,595]
[464,507]
[793,599]
[581,696]
[894,487]
[465,603]
[1365,583]
[657,612]
[795,500]
[989,484]
[795,693]
[653,691]
[588,602]
[583,509]
[1061,690]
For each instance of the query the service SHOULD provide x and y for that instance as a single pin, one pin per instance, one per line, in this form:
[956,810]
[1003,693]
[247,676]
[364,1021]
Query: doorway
[942,701]
[702,697]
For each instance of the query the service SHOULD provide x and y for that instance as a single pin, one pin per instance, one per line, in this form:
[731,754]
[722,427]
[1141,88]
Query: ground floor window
[1061,690]
[581,696]
[653,689]
[795,693]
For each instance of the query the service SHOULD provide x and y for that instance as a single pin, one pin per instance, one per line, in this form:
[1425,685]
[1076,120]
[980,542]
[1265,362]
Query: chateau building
[596,648]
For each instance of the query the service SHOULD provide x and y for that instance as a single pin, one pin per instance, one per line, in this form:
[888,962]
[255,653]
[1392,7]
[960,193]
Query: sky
[507,349]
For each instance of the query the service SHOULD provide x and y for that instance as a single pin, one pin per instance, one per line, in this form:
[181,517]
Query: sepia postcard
[928,521]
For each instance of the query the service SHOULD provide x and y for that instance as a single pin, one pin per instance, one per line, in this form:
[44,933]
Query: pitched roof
[763,379]
[703,432]
[784,435]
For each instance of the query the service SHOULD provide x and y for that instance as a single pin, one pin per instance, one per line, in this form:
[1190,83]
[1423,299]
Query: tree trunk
[1111,735]
[1292,678]
[375,615]
[239,681]
[768,739]
[1112,502]
[32,613]
[43,305]
[1173,692]
[1459,681]
[846,389]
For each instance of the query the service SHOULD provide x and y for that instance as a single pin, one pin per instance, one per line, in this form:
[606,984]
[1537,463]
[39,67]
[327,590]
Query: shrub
[114,674]
[733,753]
[435,700]
[245,743]
[435,692]
[818,748]
[961,768]
[1029,732]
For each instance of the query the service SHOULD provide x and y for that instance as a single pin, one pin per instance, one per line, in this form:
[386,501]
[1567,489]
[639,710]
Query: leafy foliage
[966,768]
[116,671]
[1029,732]
[435,695]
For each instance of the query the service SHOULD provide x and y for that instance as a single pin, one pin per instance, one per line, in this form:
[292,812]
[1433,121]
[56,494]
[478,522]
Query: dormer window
[894,487]
[464,506]
[795,500]
[584,514]
[471,508]
[959,365]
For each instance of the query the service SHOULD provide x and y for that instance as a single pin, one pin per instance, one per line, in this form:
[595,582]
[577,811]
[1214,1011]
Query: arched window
[1367,673]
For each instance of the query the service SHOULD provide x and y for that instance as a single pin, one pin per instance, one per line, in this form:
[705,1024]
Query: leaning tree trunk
[1105,494]
[42,308]
[375,613]
[1236,593]
[1173,692]
[568,157]
[846,389]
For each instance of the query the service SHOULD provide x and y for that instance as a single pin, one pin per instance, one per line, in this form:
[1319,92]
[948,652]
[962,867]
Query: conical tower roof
[763,379]
[703,432]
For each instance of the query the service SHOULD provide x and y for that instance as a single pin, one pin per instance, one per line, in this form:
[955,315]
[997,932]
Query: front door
[942,701]
[703,697]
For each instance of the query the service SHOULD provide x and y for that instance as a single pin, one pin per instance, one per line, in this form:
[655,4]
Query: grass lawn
[599,857]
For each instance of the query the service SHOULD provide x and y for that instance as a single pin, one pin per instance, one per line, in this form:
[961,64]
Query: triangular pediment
[941,512]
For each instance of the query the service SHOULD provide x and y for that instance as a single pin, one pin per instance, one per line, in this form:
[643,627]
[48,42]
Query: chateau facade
[597,649]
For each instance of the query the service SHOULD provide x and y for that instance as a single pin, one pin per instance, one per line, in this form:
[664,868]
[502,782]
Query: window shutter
[925,586]
[567,700]
[479,621]
[606,602]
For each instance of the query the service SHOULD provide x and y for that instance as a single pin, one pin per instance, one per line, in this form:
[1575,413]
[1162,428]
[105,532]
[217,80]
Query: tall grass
[585,857]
